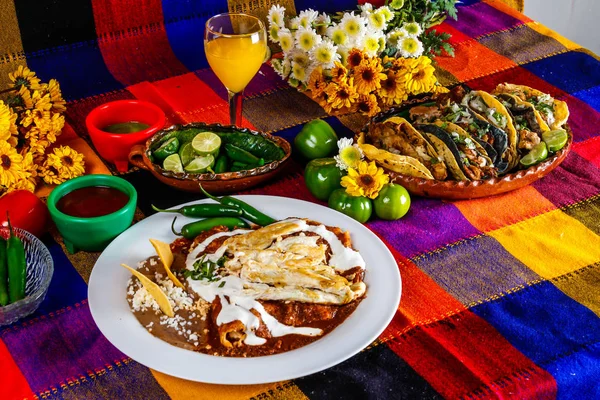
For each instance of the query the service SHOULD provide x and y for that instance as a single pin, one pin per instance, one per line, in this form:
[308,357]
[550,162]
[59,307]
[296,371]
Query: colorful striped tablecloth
[501,296]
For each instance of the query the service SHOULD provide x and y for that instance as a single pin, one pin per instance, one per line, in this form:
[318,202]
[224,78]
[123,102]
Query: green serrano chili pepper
[240,155]
[193,229]
[204,211]
[248,212]
[3,273]
[15,256]
[222,164]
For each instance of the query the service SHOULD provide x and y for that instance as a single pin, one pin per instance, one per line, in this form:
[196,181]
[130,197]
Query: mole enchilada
[252,292]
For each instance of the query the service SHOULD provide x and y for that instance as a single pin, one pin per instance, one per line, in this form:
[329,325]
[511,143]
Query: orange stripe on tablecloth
[506,9]
[13,383]
[193,100]
[473,60]
[93,163]
[495,212]
[181,389]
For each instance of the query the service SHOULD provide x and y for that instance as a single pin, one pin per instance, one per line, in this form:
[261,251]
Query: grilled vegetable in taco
[470,156]
[398,136]
[526,119]
[555,113]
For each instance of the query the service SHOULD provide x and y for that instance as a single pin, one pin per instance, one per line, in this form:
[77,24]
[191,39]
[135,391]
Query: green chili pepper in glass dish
[15,256]
[3,273]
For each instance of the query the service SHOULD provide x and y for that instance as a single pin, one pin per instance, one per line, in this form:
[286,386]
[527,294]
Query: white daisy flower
[282,66]
[410,47]
[307,38]
[325,54]
[286,40]
[370,44]
[349,154]
[300,57]
[413,28]
[301,72]
[366,9]
[386,12]
[395,36]
[353,25]
[382,42]
[274,33]
[377,21]
[343,52]
[294,23]
[338,35]
[276,15]
[322,23]
[307,17]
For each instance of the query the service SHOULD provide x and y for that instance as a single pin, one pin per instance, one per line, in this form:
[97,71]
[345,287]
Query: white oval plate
[110,310]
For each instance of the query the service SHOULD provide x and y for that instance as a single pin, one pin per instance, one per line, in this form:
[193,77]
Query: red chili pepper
[26,210]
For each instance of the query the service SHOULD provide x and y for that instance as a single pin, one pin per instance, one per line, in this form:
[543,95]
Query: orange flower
[368,105]
[341,95]
[316,82]
[355,57]
[368,76]
[393,89]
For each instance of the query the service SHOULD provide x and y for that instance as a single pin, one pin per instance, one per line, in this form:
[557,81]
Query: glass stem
[235,108]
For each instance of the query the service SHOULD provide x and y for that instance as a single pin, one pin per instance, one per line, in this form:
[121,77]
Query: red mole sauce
[93,201]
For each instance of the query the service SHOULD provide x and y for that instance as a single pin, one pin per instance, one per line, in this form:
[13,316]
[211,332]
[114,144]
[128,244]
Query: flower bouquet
[362,60]
[31,119]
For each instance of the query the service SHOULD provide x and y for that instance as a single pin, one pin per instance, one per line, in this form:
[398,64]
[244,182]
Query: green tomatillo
[392,203]
[322,177]
[358,207]
[317,139]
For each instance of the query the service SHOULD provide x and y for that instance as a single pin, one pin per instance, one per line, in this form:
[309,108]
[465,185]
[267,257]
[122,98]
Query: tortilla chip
[166,256]
[154,290]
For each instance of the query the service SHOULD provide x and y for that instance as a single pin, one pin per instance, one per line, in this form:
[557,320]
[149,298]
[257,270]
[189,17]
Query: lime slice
[186,153]
[167,148]
[173,163]
[206,143]
[201,164]
[538,153]
[556,139]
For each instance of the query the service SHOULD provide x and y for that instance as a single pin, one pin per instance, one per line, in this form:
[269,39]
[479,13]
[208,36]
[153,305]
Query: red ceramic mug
[114,147]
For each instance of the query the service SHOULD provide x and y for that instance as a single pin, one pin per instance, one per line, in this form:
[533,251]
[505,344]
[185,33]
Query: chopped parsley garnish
[222,284]
[204,269]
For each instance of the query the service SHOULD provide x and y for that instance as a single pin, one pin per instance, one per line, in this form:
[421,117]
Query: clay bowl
[227,182]
[465,190]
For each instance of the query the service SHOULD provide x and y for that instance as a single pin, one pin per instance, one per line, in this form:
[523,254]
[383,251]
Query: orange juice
[235,60]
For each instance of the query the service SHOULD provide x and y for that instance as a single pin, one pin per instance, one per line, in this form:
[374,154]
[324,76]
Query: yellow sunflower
[57,122]
[366,180]
[67,162]
[316,82]
[36,141]
[10,165]
[50,175]
[24,77]
[355,57]
[25,97]
[341,95]
[5,121]
[29,180]
[368,76]
[339,73]
[368,105]
[393,89]
[421,79]
[58,103]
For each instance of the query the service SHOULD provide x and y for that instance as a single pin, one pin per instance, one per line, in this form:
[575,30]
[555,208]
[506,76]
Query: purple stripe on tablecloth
[480,19]
[55,349]
[414,233]
[574,180]
[584,120]
[266,79]
[476,269]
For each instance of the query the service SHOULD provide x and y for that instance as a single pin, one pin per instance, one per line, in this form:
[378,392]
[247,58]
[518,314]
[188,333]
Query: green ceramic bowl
[92,234]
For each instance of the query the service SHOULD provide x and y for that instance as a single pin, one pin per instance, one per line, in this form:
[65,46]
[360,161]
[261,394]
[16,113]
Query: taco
[396,135]
[488,107]
[555,113]
[526,119]
[472,159]
[493,139]
[404,165]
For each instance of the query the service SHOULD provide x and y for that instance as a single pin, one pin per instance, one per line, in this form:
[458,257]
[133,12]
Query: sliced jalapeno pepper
[204,211]
[193,229]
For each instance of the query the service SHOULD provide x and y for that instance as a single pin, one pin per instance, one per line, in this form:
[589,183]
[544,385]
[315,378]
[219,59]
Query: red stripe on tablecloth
[147,91]
[12,382]
[193,100]
[457,352]
[133,40]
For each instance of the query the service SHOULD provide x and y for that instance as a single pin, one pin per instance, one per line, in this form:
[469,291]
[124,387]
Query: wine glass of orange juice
[235,47]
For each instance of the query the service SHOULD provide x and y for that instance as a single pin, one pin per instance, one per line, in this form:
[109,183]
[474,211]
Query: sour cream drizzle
[239,305]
